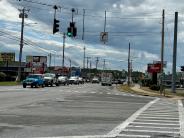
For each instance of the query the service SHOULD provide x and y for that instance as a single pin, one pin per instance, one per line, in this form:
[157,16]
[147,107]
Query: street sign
[104,37]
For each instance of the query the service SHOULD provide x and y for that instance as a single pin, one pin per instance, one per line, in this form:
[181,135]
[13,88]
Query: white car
[74,80]
[63,80]
[95,80]
[81,81]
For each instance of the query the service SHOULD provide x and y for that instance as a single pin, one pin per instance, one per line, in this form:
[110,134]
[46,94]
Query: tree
[2,76]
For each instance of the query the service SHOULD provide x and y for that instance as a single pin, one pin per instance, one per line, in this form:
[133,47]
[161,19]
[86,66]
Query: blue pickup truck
[34,80]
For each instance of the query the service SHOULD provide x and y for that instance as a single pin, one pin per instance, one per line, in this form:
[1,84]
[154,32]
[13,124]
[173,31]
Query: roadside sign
[104,37]
[159,62]
[27,69]
[7,56]
[154,68]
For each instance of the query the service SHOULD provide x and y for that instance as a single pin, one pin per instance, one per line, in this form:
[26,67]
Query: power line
[69,8]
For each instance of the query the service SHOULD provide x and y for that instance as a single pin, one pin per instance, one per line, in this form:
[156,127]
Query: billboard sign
[7,56]
[38,64]
[159,62]
[36,59]
[154,68]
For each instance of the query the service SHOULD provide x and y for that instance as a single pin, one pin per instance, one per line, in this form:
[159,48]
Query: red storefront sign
[154,68]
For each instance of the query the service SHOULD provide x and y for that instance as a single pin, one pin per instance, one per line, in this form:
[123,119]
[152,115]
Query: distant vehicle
[33,80]
[115,82]
[95,80]
[106,79]
[63,80]
[74,80]
[50,79]
[81,81]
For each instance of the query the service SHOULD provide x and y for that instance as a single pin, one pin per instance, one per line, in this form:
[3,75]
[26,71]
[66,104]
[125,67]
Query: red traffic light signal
[55,26]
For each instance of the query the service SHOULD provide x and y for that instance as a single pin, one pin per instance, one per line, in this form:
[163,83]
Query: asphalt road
[80,110]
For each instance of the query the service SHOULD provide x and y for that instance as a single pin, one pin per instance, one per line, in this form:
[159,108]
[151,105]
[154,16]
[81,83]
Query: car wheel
[24,85]
[31,85]
[43,86]
[36,85]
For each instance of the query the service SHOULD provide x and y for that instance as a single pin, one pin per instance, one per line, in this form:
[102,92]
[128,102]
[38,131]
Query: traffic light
[72,30]
[69,32]
[182,68]
[55,26]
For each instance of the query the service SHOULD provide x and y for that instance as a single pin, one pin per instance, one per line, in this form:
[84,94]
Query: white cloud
[8,12]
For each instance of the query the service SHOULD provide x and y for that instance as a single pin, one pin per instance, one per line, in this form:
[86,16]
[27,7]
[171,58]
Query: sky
[137,22]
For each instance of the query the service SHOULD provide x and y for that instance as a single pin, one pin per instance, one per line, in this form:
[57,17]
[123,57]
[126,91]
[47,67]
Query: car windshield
[33,76]
[61,77]
[73,77]
[48,75]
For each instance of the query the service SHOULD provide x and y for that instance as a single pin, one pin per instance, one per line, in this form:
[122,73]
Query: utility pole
[63,61]
[129,65]
[83,30]
[70,67]
[83,27]
[97,60]
[88,61]
[105,23]
[131,69]
[50,58]
[104,65]
[90,64]
[21,15]
[162,52]
[174,53]
[84,57]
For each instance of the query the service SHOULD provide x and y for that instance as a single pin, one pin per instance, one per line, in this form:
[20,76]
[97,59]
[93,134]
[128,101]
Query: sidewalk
[138,89]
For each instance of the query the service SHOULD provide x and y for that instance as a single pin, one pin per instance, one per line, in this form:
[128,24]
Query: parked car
[33,80]
[95,80]
[63,80]
[74,80]
[50,79]
[81,81]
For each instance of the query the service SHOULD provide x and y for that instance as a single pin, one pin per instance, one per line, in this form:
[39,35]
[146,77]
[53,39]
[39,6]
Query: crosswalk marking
[122,126]
[181,116]
[159,118]
[145,123]
[134,136]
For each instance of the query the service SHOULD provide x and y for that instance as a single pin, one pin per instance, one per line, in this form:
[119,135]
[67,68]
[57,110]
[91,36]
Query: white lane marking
[151,117]
[155,120]
[92,92]
[90,136]
[152,131]
[157,115]
[108,93]
[124,124]
[181,115]
[160,127]
[134,136]
[163,124]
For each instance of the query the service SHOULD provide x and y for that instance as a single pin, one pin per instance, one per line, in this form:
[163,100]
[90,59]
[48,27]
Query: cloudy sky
[134,21]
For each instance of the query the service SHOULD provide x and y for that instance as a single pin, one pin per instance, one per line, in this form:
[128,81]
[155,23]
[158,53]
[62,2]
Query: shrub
[155,87]
[2,76]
